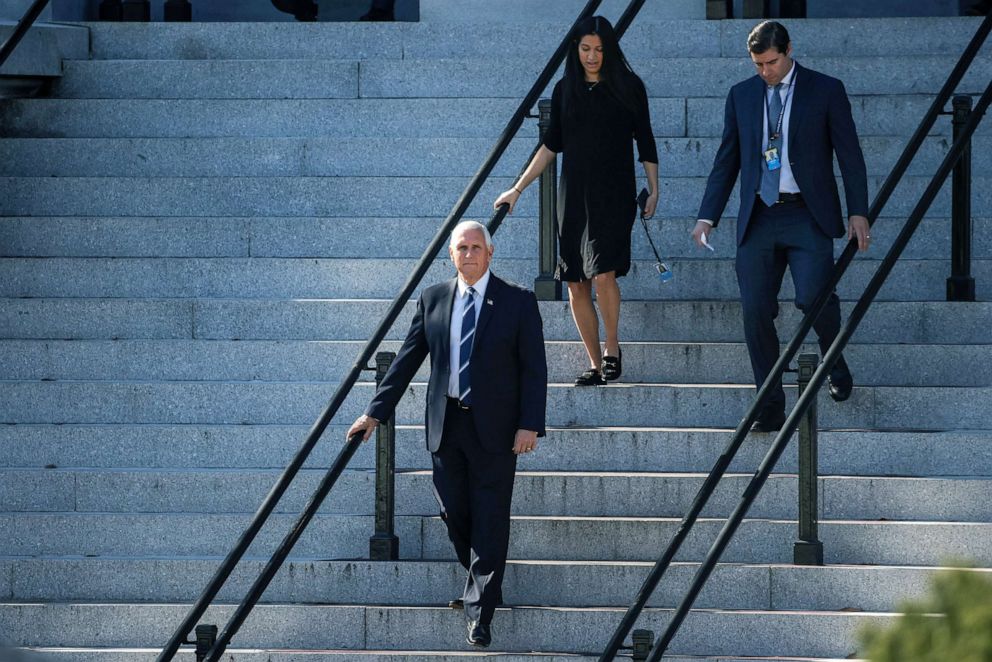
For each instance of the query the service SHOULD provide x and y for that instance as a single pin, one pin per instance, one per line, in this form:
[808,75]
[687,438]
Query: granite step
[323,237]
[639,405]
[355,319]
[373,157]
[219,360]
[509,78]
[532,538]
[536,493]
[530,36]
[164,447]
[310,278]
[432,583]
[819,634]
[357,196]
[888,115]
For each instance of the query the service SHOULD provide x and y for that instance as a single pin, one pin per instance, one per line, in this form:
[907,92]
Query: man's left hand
[525,441]
[858,227]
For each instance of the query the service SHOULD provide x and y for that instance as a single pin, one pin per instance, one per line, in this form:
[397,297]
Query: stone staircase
[203,222]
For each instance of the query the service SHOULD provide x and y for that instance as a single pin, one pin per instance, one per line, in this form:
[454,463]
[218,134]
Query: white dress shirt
[786,182]
[455,335]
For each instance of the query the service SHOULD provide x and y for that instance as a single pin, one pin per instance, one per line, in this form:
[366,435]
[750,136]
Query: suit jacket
[508,369]
[820,125]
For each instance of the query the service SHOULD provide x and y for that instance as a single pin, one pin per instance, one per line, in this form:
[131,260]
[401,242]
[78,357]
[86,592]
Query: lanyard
[781,116]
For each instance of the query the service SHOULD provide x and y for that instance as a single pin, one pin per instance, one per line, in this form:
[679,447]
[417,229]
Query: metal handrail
[820,376]
[282,484]
[737,439]
[23,25]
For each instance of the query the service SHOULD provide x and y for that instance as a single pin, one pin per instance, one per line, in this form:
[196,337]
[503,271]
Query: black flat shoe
[457,603]
[590,377]
[613,366]
[479,634]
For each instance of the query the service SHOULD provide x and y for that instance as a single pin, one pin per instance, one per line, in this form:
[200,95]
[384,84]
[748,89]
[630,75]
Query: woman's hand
[508,197]
[650,205]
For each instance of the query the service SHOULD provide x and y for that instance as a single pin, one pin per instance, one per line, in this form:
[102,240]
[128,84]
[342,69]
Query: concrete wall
[878,8]
[13,10]
[225,11]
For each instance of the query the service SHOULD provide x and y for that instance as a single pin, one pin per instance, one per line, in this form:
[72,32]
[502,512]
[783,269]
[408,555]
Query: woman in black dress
[598,110]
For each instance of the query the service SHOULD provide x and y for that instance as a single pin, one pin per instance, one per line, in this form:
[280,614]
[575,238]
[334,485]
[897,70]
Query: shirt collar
[787,81]
[479,287]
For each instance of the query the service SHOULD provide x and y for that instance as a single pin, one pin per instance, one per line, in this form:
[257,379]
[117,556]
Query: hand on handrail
[363,425]
[508,197]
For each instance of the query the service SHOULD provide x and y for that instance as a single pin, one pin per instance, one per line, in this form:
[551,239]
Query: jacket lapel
[490,300]
[445,325]
[756,104]
[800,97]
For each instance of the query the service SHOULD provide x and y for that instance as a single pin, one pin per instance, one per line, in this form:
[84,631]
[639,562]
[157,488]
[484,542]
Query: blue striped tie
[465,349]
[770,178]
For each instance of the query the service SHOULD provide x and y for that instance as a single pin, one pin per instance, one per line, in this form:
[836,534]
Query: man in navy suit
[485,405]
[781,130]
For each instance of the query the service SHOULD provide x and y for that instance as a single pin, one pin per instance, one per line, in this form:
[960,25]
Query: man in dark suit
[485,405]
[781,130]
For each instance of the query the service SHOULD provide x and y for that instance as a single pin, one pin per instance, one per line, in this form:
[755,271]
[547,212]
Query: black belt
[787,197]
[455,402]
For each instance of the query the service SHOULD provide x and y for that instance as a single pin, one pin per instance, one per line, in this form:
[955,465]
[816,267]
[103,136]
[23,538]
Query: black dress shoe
[770,424]
[840,390]
[479,634]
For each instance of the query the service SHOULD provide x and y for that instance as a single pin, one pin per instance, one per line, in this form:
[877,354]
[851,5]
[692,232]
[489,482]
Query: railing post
[961,284]
[546,286]
[384,545]
[808,550]
[642,640]
[206,637]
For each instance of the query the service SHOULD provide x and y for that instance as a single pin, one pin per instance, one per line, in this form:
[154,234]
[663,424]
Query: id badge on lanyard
[773,158]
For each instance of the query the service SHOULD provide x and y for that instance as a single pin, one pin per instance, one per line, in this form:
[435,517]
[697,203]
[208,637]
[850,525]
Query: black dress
[597,197]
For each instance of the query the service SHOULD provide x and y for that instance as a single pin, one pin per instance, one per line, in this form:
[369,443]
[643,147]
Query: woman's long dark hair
[615,72]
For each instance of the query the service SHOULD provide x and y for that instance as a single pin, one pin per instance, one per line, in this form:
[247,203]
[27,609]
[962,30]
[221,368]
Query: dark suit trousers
[783,235]
[474,488]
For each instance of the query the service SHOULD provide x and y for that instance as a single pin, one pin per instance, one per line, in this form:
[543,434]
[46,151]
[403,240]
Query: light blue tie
[770,178]
[465,349]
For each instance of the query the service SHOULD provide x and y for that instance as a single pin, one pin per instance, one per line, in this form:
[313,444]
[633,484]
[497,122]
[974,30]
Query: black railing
[461,206]
[384,545]
[808,550]
[546,286]
[23,25]
[737,439]
[961,284]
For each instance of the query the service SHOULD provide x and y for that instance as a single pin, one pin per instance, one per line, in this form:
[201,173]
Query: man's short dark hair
[768,34]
